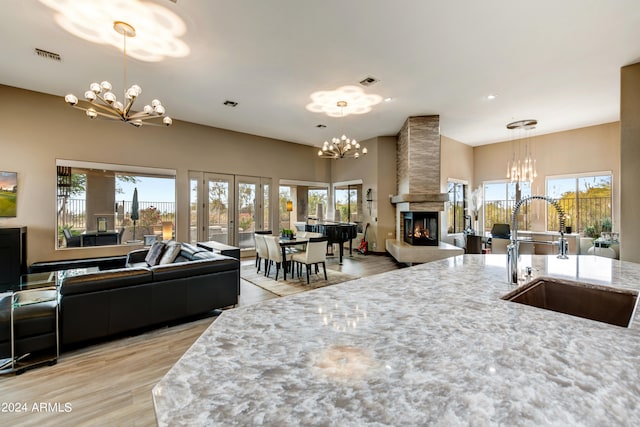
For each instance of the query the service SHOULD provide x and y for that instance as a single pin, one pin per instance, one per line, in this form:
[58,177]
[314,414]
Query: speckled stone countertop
[428,345]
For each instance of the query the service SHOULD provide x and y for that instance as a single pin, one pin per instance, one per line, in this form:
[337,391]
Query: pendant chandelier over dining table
[341,147]
[522,166]
[101,101]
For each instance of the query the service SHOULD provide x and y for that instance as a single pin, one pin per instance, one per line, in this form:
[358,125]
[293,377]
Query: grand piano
[336,232]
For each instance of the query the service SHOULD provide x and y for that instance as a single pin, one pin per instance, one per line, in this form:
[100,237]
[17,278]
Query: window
[87,192]
[285,194]
[348,202]
[456,207]
[316,196]
[266,199]
[305,196]
[586,201]
[499,200]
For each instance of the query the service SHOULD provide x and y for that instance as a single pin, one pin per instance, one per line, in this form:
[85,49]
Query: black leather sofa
[103,263]
[138,296]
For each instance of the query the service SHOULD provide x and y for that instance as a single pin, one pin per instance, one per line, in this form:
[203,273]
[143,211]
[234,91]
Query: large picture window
[348,202]
[104,204]
[285,218]
[317,196]
[305,198]
[586,201]
[499,200]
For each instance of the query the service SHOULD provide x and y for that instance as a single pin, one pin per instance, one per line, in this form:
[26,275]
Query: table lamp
[167,230]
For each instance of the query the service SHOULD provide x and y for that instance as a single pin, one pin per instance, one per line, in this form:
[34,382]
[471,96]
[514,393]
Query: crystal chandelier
[522,166]
[342,147]
[101,101]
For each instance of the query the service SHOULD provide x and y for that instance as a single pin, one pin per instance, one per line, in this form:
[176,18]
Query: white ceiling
[554,61]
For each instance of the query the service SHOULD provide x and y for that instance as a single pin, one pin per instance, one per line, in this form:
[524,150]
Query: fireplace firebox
[421,228]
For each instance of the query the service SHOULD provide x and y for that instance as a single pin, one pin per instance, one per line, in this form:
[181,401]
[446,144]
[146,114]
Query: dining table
[287,243]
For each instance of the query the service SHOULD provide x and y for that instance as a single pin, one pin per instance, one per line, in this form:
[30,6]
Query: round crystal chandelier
[342,147]
[522,166]
[101,101]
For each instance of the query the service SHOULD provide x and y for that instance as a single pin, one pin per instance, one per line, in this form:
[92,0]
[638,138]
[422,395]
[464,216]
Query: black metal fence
[73,213]
[582,214]
[499,212]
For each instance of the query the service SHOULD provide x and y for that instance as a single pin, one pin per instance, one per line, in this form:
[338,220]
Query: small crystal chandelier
[101,101]
[342,147]
[522,166]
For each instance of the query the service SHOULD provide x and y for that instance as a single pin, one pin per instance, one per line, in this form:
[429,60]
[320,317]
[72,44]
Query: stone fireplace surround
[418,177]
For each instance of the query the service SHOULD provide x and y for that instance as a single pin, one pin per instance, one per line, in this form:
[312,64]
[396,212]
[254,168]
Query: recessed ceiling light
[230,103]
[491,96]
[388,99]
[368,81]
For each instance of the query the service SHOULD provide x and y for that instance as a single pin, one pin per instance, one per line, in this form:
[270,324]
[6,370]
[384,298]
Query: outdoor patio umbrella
[135,214]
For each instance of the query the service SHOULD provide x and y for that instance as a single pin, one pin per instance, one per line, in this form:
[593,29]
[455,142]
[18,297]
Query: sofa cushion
[109,279]
[188,252]
[171,252]
[194,268]
[155,253]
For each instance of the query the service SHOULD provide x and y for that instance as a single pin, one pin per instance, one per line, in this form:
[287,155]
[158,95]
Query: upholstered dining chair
[315,254]
[262,253]
[275,254]
[499,246]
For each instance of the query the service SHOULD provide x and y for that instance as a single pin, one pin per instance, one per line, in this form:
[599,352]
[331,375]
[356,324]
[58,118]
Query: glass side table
[35,296]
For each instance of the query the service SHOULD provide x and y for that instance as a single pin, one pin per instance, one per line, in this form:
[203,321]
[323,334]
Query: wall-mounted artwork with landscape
[8,193]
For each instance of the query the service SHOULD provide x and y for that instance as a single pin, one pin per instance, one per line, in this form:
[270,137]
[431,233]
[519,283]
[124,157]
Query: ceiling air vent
[230,103]
[368,81]
[47,55]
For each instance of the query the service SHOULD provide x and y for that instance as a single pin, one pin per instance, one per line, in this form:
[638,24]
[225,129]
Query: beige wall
[37,129]
[378,171]
[456,163]
[630,167]
[590,149]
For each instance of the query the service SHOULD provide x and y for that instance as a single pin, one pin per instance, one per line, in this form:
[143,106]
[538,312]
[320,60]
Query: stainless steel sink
[604,304]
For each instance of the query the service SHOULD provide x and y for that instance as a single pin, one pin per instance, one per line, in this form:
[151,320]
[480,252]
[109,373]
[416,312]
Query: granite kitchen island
[428,345]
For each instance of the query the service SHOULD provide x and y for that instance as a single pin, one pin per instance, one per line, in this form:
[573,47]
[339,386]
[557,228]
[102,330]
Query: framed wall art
[8,194]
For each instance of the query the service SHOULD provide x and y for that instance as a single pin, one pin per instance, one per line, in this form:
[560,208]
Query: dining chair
[262,253]
[275,254]
[499,246]
[71,241]
[315,254]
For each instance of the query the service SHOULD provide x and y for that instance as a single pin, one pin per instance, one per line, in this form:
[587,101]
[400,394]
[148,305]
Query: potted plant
[590,231]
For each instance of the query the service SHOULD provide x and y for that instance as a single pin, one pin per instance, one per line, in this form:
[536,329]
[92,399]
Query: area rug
[291,285]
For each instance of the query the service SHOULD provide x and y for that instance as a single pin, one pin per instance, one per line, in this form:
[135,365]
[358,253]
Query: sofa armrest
[136,257]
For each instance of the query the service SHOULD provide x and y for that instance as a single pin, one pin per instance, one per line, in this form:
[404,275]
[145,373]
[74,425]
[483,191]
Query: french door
[228,208]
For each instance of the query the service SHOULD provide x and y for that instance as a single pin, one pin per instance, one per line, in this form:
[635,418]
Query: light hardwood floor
[109,384]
